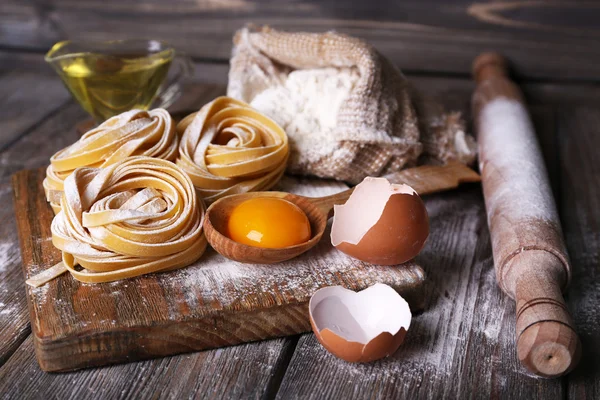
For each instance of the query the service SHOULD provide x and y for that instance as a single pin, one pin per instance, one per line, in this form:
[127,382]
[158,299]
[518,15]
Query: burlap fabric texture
[382,126]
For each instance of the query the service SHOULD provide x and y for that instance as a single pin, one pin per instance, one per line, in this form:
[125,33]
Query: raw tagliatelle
[137,216]
[132,133]
[228,147]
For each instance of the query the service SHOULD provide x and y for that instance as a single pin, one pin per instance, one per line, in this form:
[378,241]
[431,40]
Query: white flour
[248,284]
[306,121]
[511,142]
[7,254]
[5,309]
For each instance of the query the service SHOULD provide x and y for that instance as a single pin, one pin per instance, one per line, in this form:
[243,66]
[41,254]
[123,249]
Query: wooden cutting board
[212,303]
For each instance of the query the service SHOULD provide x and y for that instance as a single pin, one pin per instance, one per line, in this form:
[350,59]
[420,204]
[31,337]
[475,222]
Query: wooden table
[462,346]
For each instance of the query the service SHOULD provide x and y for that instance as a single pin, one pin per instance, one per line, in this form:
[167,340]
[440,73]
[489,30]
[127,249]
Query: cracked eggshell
[359,327]
[381,223]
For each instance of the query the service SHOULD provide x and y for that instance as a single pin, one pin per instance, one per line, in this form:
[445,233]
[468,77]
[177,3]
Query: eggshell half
[359,327]
[381,223]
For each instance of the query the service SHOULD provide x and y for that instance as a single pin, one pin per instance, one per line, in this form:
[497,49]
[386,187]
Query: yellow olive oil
[108,84]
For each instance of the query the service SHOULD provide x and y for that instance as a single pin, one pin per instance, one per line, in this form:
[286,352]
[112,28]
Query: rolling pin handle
[547,343]
[489,65]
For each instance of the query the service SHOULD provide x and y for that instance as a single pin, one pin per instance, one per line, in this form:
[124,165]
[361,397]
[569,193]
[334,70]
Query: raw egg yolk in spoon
[268,222]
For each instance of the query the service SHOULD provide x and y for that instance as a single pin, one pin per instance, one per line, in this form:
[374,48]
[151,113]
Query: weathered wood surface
[214,302]
[26,98]
[32,150]
[22,104]
[249,371]
[475,317]
[14,320]
[579,138]
[462,346]
[531,33]
[56,132]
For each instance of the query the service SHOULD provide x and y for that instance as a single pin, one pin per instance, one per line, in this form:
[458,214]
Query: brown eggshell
[399,233]
[343,321]
[349,351]
[383,345]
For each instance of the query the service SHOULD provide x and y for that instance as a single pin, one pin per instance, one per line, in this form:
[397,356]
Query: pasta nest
[137,216]
[228,148]
[132,133]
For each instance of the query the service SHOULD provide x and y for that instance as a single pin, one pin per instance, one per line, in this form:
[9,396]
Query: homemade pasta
[137,216]
[228,147]
[136,132]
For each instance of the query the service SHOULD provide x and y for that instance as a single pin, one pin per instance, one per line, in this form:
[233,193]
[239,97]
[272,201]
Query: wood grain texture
[27,98]
[462,346]
[14,319]
[579,137]
[212,303]
[33,150]
[454,92]
[482,348]
[544,119]
[529,32]
[249,371]
[58,130]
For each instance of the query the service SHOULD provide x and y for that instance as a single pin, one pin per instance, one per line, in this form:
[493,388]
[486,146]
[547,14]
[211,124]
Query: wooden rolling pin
[531,261]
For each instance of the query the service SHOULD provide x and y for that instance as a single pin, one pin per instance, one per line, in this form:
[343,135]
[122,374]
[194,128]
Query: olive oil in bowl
[109,78]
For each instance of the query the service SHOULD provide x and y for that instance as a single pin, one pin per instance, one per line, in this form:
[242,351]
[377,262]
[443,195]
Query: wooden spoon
[425,179]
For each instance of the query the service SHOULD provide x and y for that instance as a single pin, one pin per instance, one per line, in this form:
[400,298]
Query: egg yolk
[268,222]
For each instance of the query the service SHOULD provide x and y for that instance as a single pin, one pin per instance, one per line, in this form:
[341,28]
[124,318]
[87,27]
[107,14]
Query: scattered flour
[216,283]
[5,310]
[39,293]
[309,123]
[226,284]
[309,187]
[511,142]
[7,253]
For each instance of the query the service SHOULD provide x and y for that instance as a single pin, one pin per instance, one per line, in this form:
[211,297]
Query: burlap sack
[381,125]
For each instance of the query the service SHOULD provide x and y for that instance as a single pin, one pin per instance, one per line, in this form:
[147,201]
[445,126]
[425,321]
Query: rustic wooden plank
[243,381]
[214,302]
[211,79]
[579,137]
[21,61]
[26,26]
[545,124]
[248,371]
[446,90]
[14,316]
[14,319]
[530,33]
[461,346]
[27,97]
[467,333]
[455,92]
[58,130]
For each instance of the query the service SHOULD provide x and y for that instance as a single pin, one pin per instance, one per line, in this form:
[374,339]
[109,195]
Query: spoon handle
[428,179]
[325,204]
[425,179]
